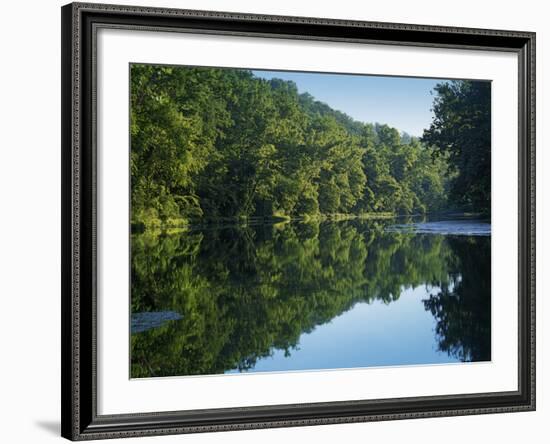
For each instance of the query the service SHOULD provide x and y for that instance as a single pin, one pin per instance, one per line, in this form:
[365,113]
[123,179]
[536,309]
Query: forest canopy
[214,143]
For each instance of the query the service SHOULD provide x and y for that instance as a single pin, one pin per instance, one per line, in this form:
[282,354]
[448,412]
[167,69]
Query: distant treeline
[212,143]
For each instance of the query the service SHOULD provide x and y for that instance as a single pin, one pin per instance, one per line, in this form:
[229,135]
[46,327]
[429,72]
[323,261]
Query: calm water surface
[303,296]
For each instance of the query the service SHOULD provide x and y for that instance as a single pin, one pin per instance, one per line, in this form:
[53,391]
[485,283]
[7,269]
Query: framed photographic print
[279,221]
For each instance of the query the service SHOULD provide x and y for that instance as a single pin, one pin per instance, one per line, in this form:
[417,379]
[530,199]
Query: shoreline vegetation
[184,225]
[173,225]
[216,145]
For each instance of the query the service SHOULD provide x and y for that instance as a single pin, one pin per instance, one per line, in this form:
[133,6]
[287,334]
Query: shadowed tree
[461,133]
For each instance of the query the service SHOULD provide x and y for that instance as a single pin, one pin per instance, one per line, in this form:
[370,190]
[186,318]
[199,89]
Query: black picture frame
[80,420]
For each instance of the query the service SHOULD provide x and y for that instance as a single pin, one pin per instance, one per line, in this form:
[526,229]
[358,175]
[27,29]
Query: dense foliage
[243,292]
[210,143]
[461,132]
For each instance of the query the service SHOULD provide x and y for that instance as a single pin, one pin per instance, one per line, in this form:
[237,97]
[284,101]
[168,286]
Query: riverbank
[177,225]
[174,225]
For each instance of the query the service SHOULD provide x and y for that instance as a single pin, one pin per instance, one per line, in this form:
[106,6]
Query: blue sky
[402,102]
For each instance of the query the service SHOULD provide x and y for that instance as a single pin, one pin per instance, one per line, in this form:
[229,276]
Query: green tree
[210,144]
[461,132]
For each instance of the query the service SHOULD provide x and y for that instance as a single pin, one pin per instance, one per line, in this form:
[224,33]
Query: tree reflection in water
[243,292]
[462,307]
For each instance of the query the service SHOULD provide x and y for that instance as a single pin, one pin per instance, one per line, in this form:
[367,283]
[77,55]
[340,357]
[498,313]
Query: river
[310,296]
